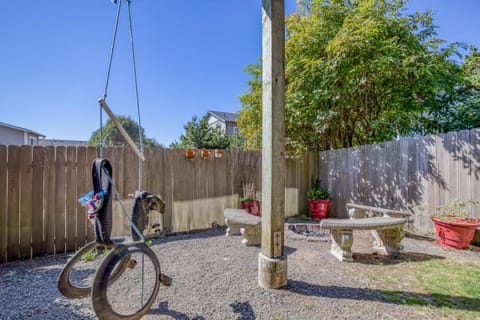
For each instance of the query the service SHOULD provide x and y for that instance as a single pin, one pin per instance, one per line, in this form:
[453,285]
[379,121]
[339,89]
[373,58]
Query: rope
[112,49]
[140,166]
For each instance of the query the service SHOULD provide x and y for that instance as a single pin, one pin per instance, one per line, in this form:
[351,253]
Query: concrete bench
[239,221]
[386,226]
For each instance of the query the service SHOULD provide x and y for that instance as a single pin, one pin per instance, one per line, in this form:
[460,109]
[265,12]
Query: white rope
[112,49]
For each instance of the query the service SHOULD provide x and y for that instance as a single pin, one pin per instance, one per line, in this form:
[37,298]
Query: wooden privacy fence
[39,188]
[403,174]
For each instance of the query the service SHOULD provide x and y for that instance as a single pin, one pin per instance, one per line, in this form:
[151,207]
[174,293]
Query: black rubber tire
[100,301]
[72,291]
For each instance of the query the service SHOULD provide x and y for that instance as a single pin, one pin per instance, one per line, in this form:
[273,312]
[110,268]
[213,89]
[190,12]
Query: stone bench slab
[387,231]
[239,221]
[241,216]
[362,224]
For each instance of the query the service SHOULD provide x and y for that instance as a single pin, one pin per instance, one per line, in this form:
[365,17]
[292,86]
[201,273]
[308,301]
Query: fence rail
[39,187]
[405,174]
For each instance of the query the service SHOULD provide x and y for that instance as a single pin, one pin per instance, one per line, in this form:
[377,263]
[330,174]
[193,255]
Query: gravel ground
[215,277]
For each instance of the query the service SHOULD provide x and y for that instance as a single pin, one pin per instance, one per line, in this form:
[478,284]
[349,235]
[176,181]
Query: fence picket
[71,199]
[38,166]
[83,186]
[3,204]
[13,194]
[26,207]
[60,180]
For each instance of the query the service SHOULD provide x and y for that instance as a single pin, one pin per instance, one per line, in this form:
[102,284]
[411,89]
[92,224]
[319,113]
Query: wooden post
[272,262]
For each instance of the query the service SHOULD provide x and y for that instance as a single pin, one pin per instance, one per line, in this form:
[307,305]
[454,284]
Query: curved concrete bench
[239,221]
[388,234]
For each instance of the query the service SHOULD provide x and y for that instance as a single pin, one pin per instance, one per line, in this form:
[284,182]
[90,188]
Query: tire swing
[114,260]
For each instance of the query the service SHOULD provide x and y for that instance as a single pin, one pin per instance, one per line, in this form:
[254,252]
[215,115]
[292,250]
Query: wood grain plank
[83,187]
[3,204]
[464,163]
[220,189]
[26,206]
[60,188]
[199,216]
[49,203]
[71,199]
[168,191]
[13,222]
[38,225]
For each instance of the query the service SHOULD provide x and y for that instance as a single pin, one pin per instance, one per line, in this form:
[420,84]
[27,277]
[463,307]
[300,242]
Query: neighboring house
[10,134]
[65,143]
[226,120]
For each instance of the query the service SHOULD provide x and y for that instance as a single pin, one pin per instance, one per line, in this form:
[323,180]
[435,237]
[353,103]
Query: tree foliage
[359,72]
[461,110]
[198,134]
[251,114]
[113,137]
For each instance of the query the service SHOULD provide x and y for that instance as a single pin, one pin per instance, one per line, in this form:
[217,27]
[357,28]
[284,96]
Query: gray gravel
[215,277]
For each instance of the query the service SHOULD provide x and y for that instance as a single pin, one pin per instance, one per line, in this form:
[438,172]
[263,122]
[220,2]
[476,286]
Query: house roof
[224,116]
[10,126]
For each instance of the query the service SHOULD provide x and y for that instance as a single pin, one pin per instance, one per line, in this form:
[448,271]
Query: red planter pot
[319,208]
[456,235]
[252,207]
[255,208]
[246,205]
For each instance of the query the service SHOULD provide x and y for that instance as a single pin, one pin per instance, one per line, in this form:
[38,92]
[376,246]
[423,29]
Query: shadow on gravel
[244,309]
[377,259]
[388,296]
[197,234]
[162,309]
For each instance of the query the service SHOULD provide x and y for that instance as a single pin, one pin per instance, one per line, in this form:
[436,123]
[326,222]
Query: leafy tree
[112,137]
[462,111]
[251,113]
[198,134]
[357,72]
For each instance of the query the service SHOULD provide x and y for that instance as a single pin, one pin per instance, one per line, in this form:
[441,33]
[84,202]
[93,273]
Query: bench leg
[342,241]
[233,229]
[387,241]
[252,235]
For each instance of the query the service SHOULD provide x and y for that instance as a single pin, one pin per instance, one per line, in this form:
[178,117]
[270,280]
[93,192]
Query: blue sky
[190,59]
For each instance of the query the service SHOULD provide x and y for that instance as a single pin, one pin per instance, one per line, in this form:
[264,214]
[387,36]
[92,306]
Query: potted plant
[205,154]
[190,154]
[248,201]
[319,201]
[453,225]
[218,153]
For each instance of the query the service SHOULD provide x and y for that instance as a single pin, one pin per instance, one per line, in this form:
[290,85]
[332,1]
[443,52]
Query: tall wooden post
[272,262]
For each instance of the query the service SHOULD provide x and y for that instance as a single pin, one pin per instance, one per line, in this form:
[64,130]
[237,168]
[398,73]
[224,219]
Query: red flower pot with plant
[453,226]
[319,200]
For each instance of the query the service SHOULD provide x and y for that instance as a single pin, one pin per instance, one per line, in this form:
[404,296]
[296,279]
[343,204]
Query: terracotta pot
[455,234]
[319,208]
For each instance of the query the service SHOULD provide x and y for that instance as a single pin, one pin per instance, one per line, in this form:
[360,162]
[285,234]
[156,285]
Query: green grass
[93,254]
[89,256]
[452,288]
